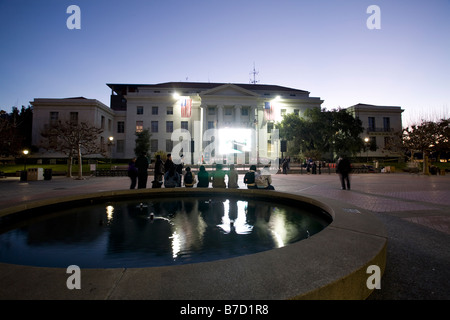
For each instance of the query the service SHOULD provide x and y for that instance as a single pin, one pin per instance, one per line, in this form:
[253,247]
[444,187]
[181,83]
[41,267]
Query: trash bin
[23,175]
[47,174]
[35,174]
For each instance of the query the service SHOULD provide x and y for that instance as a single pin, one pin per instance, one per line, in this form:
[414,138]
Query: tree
[15,130]
[427,137]
[73,139]
[142,142]
[323,131]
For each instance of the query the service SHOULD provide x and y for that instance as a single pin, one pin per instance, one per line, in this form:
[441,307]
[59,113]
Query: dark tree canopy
[324,132]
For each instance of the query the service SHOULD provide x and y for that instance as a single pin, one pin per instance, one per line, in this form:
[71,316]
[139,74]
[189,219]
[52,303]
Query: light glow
[235,140]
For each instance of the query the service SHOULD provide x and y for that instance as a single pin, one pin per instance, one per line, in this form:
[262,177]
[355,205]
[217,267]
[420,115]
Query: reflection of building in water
[188,228]
[234,218]
[240,217]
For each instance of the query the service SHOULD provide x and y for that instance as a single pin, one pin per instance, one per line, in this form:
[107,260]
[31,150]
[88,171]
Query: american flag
[268,111]
[186,106]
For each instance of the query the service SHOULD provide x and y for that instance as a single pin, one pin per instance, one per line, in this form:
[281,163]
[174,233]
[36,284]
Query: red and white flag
[186,107]
[268,111]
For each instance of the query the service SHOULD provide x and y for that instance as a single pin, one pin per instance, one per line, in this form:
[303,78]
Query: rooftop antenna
[254,73]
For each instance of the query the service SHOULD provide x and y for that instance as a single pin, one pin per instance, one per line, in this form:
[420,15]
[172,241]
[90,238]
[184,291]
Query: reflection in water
[109,212]
[234,218]
[158,232]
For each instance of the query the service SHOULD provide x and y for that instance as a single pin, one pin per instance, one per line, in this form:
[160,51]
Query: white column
[237,115]
[204,122]
[219,115]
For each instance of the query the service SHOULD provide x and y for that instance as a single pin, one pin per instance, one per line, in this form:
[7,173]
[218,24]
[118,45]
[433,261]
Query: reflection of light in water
[176,244]
[277,226]
[187,232]
[240,223]
[109,213]
[226,222]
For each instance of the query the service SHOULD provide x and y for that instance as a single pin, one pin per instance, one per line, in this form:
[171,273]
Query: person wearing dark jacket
[158,173]
[142,167]
[171,178]
[132,173]
[343,169]
[203,178]
[249,178]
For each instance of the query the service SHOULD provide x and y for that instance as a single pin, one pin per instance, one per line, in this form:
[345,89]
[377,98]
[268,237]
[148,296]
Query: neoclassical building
[380,124]
[203,122]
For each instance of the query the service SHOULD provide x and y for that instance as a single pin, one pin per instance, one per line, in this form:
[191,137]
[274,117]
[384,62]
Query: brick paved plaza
[414,209]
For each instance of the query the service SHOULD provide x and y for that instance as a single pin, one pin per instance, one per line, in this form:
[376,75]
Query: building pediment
[229,90]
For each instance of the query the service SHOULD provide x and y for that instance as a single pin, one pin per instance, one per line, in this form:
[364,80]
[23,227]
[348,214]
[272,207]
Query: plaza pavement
[414,208]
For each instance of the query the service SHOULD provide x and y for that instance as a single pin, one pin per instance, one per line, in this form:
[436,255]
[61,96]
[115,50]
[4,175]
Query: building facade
[202,122]
[205,122]
[380,124]
[47,112]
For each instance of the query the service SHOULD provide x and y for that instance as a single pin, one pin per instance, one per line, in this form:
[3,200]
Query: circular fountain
[325,256]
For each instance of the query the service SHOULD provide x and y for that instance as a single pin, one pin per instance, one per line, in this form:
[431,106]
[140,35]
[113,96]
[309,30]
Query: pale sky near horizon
[323,47]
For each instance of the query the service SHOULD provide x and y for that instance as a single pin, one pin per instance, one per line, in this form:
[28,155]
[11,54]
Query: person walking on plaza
[132,173]
[343,168]
[203,178]
[142,167]
[285,166]
[233,177]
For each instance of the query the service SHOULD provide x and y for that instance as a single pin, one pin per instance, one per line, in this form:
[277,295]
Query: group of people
[171,175]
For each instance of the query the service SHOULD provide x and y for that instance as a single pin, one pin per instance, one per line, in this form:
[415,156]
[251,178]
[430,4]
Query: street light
[23,176]
[110,144]
[366,140]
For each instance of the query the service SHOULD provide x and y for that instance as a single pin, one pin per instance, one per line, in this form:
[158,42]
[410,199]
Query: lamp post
[110,144]
[366,141]
[23,176]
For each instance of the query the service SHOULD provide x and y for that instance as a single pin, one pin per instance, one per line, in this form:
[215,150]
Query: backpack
[188,178]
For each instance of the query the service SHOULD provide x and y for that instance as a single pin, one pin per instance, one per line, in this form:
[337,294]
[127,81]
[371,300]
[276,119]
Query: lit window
[139,126]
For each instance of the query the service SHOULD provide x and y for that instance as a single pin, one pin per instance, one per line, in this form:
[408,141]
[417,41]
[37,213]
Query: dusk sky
[322,46]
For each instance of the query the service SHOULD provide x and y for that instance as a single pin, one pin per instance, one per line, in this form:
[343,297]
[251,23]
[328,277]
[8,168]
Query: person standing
[285,166]
[132,173]
[343,168]
[159,172]
[142,167]
[169,163]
